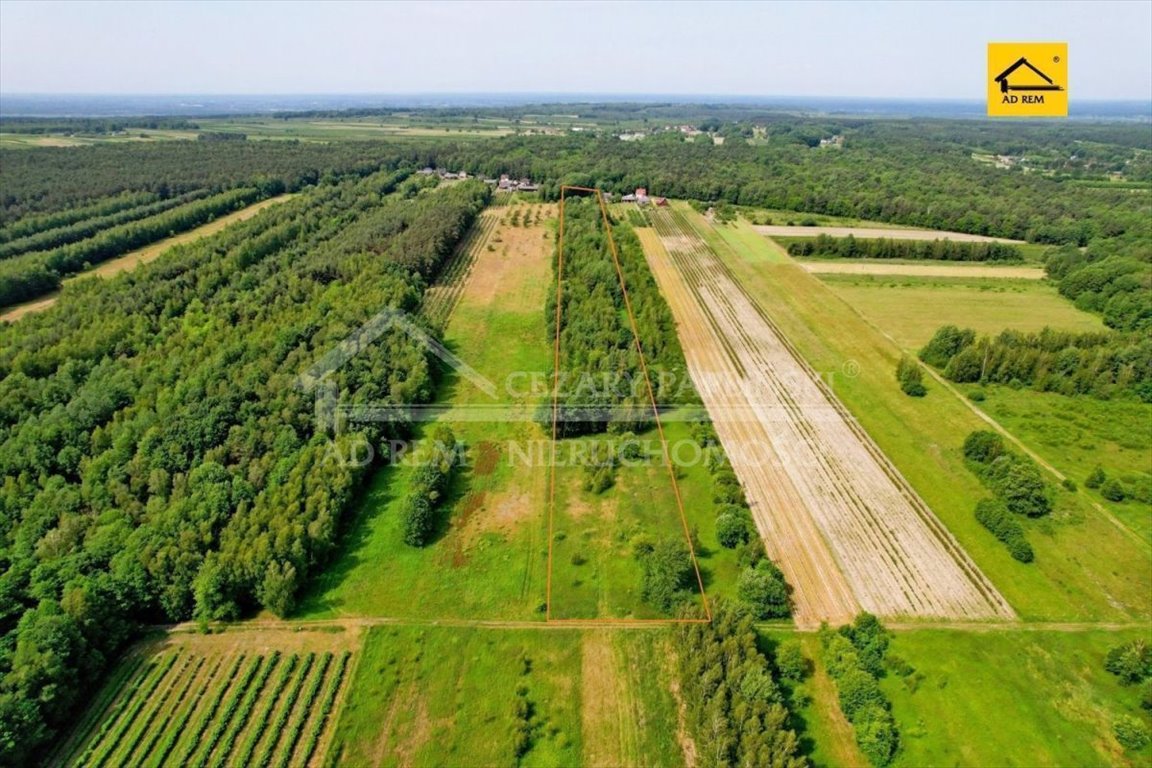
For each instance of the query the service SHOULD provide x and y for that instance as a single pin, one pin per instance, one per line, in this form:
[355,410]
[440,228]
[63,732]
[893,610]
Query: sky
[835,49]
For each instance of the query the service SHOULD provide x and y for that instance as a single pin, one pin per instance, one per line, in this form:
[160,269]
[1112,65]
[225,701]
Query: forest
[159,463]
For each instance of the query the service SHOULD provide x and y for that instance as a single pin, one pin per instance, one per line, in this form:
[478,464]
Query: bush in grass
[763,590]
[793,665]
[983,447]
[1069,484]
[1132,734]
[1112,490]
[994,516]
[1096,479]
[876,734]
[732,529]
[911,378]
[1146,693]
[666,573]
[1018,482]
[1131,662]
[977,396]
[429,481]
[857,689]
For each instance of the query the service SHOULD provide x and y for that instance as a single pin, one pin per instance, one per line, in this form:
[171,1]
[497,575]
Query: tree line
[1100,365]
[736,712]
[1112,279]
[33,274]
[855,655]
[160,464]
[826,246]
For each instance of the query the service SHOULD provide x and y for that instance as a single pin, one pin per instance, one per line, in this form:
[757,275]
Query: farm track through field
[897,557]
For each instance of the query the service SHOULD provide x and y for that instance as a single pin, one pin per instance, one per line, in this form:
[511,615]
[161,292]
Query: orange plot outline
[655,412]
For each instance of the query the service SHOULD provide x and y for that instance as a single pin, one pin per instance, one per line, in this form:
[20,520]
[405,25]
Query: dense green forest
[824,246]
[159,462]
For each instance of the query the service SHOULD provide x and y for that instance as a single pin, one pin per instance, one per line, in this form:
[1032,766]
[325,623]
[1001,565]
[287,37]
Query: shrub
[911,378]
[1131,662]
[1018,482]
[1069,484]
[667,573]
[1096,479]
[1132,734]
[877,735]
[983,446]
[994,516]
[858,689]
[1146,693]
[1112,490]
[763,589]
[977,396]
[791,662]
[732,530]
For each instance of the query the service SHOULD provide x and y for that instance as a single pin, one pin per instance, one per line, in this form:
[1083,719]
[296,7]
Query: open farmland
[238,699]
[897,558]
[885,269]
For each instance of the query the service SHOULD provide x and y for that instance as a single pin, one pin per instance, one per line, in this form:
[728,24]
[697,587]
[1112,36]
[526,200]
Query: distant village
[505,183]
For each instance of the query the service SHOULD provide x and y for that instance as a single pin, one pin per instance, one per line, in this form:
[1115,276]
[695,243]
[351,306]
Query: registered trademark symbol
[1056,59]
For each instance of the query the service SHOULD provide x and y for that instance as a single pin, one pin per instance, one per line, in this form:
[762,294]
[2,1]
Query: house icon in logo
[1005,86]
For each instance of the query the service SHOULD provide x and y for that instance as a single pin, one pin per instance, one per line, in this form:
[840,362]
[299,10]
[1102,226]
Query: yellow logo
[1027,79]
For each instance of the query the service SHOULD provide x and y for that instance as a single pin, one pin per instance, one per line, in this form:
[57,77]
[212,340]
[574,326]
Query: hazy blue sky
[900,49]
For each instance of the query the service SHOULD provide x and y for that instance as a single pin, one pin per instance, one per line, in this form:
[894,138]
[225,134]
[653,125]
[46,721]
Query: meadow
[527,697]
[1010,698]
[910,309]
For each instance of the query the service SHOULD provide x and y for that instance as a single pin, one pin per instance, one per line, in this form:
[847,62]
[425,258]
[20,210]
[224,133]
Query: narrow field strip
[897,557]
[877,232]
[549,617]
[840,267]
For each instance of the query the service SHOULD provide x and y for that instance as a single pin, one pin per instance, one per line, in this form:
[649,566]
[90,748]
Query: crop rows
[230,708]
[828,502]
[442,297]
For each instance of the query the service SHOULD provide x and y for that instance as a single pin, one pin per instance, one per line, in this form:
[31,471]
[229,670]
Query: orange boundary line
[655,413]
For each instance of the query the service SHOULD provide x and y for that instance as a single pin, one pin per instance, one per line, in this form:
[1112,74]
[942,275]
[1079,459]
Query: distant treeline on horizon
[223,105]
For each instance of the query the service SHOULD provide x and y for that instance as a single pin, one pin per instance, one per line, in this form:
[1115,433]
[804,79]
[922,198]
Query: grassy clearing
[488,558]
[1085,567]
[1010,699]
[1076,434]
[451,696]
[910,309]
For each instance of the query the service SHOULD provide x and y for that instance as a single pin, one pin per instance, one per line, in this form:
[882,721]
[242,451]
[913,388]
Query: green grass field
[910,309]
[1010,699]
[452,696]
[488,559]
[1085,567]
[1076,434]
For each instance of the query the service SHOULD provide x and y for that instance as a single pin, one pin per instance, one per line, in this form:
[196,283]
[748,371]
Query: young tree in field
[667,573]
[911,378]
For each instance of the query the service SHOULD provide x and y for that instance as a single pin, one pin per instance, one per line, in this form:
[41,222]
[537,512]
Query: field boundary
[564,190]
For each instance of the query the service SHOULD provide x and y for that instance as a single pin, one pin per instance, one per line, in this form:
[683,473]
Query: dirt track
[920,270]
[877,232]
[846,528]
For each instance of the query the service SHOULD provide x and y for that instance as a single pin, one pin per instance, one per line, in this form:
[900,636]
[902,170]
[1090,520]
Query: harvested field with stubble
[846,528]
